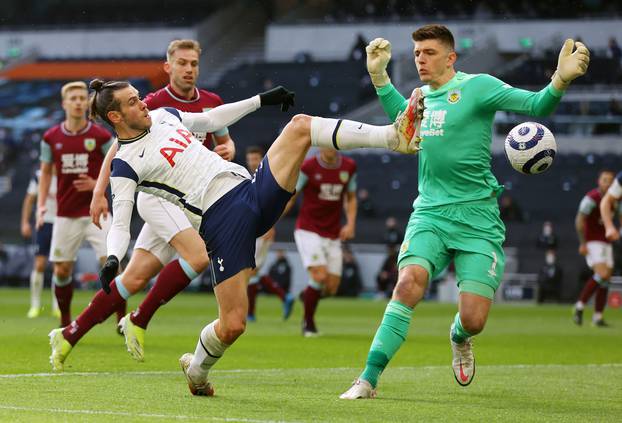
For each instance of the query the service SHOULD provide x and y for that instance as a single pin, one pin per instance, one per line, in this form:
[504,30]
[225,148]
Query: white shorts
[69,233]
[315,250]
[599,252]
[163,220]
[262,247]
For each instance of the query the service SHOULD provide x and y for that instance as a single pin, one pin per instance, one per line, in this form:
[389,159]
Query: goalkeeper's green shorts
[471,234]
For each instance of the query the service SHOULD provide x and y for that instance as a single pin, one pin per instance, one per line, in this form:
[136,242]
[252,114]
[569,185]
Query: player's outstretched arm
[228,114]
[378,57]
[99,203]
[570,64]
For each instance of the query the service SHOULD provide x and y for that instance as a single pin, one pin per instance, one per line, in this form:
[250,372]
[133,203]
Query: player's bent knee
[301,125]
[409,289]
[62,270]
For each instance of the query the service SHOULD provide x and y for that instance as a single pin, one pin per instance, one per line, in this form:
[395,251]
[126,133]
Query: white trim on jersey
[183,100]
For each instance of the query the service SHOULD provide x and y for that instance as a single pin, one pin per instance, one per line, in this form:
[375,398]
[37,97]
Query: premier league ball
[530,148]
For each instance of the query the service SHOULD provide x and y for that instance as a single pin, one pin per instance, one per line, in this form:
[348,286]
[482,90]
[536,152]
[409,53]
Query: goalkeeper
[456,216]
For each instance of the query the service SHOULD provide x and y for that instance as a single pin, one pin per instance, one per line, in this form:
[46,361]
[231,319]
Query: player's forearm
[351,210]
[221,116]
[103,179]
[45,179]
[579,224]
[119,236]
[27,204]
[606,210]
[391,100]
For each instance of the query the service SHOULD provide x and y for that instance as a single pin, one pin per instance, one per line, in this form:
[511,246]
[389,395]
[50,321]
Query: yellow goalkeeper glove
[378,56]
[570,65]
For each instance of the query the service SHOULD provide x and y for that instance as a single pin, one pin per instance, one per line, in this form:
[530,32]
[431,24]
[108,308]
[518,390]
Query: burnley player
[155,245]
[43,239]
[254,156]
[597,250]
[230,208]
[455,215]
[607,205]
[75,148]
[327,183]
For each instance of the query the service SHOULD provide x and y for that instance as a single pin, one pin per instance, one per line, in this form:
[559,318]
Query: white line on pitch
[128,414]
[289,370]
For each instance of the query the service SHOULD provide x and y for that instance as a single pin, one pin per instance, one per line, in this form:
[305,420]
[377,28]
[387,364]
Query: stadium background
[316,47]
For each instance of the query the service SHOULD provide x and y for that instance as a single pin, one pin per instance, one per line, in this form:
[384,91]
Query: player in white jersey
[43,238]
[159,154]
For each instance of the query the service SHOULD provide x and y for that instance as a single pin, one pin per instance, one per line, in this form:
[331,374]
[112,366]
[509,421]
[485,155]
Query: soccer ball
[530,148]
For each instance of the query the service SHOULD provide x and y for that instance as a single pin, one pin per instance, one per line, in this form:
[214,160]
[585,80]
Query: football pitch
[533,364]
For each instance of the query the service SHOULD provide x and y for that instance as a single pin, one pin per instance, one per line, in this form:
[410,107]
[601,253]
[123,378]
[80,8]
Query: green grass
[534,364]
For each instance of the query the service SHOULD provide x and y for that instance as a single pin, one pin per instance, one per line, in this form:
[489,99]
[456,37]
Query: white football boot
[360,389]
[198,386]
[408,125]
[463,363]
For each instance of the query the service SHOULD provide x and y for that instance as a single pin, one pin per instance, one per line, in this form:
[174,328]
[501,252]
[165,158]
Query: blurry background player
[327,183]
[43,238]
[76,149]
[254,155]
[607,205]
[597,250]
[154,246]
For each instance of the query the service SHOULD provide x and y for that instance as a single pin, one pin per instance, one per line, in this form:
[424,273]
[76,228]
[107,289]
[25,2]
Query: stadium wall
[334,41]
[93,43]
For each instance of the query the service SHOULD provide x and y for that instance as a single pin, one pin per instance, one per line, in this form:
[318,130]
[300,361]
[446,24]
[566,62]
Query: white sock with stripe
[209,349]
[347,134]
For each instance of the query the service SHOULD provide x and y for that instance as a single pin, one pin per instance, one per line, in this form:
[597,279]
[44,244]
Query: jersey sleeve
[497,95]
[615,190]
[587,205]
[123,183]
[220,117]
[45,154]
[391,100]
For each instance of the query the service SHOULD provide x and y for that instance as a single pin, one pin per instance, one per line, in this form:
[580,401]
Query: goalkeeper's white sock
[209,349]
[36,286]
[347,134]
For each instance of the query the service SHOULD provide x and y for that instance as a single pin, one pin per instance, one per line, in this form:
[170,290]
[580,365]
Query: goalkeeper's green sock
[458,334]
[389,338]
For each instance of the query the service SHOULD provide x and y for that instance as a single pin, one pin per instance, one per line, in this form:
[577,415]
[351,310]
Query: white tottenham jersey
[50,202]
[169,162]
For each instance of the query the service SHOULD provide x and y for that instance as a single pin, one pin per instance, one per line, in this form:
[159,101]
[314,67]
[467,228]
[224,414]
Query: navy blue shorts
[43,239]
[233,223]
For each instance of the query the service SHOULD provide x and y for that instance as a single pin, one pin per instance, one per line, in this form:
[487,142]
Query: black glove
[276,96]
[108,273]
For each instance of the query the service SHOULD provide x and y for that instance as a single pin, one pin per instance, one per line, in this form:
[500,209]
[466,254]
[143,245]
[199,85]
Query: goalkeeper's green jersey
[454,161]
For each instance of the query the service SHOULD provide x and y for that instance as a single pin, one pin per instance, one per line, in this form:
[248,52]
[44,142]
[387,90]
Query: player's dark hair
[103,100]
[606,170]
[435,32]
[255,149]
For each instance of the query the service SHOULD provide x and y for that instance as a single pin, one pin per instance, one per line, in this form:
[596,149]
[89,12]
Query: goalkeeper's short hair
[435,32]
